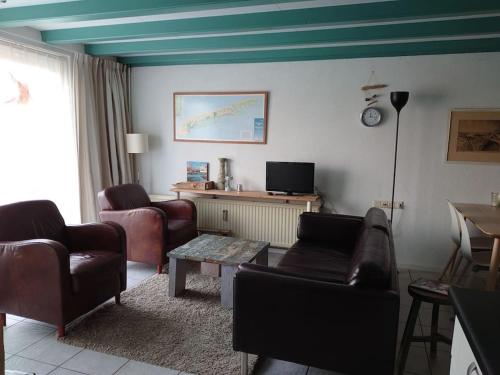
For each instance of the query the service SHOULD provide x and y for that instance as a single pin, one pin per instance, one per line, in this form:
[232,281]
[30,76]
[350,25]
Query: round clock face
[371,116]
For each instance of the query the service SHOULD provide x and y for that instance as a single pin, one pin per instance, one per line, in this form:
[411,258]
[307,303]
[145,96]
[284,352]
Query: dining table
[486,218]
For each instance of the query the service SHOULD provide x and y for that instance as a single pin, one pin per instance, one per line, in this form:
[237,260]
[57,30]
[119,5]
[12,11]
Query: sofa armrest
[107,236]
[323,324]
[339,231]
[34,279]
[177,208]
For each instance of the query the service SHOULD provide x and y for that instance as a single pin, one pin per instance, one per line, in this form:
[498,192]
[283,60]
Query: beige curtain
[102,111]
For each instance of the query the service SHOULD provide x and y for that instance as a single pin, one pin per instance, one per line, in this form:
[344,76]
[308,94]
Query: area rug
[191,333]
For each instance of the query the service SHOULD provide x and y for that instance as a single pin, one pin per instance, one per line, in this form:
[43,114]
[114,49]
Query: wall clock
[371,116]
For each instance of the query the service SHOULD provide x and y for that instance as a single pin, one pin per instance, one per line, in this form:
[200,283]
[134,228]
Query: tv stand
[258,195]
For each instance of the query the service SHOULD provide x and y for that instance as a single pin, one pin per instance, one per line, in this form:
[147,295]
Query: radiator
[261,221]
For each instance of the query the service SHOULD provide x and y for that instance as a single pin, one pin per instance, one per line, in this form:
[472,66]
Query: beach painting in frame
[197,171]
[474,136]
[221,117]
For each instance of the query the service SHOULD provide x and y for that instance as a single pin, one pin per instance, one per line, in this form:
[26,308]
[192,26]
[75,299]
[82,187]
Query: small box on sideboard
[202,185]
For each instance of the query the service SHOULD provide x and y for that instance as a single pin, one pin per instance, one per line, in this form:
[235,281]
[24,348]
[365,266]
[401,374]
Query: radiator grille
[275,223]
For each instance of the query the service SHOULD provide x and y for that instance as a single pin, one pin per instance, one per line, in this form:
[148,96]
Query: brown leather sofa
[332,302]
[52,272]
[153,228]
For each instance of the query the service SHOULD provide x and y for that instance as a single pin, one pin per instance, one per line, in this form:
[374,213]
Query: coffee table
[229,252]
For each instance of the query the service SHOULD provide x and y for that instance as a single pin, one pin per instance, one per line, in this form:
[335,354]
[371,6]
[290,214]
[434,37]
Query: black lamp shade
[399,99]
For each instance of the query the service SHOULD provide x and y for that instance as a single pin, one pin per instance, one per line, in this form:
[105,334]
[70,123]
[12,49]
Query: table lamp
[137,143]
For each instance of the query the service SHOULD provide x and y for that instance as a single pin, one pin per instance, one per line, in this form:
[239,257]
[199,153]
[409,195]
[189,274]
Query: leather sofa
[53,272]
[152,228]
[332,302]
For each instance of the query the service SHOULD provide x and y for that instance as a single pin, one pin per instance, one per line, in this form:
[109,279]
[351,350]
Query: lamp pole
[398,100]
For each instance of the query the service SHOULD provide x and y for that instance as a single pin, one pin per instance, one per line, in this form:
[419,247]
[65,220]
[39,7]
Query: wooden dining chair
[477,244]
[479,259]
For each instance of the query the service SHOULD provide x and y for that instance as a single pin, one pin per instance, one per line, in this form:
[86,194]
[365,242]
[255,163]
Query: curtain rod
[34,45]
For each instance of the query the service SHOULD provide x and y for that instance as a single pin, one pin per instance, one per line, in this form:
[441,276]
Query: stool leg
[407,335]
[434,329]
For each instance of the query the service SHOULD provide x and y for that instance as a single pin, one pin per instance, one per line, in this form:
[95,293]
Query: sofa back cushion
[371,263]
[31,220]
[123,197]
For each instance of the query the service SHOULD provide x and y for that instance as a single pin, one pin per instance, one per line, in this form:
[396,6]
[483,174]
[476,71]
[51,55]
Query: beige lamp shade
[137,143]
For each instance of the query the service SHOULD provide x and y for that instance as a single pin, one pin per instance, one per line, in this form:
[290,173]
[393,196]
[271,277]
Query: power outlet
[387,204]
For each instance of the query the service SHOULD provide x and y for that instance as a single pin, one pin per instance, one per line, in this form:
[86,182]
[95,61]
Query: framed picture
[221,117]
[474,136]
[197,171]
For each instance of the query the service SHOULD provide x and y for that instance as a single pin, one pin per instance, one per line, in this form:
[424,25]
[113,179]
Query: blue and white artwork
[221,117]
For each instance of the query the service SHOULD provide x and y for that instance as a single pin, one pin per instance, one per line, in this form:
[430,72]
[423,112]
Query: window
[38,152]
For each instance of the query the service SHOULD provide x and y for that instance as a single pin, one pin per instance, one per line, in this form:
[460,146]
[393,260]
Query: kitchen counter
[479,315]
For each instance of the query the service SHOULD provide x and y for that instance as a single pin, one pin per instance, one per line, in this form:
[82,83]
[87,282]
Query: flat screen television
[290,177]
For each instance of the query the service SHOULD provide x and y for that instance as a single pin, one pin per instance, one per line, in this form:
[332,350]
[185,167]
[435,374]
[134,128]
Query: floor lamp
[137,143]
[398,100]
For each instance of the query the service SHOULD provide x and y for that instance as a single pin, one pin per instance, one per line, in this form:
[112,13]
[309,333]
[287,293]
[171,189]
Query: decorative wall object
[474,136]
[197,171]
[221,117]
[221,179]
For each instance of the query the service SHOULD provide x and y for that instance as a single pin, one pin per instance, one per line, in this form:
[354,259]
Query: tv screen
[290,177]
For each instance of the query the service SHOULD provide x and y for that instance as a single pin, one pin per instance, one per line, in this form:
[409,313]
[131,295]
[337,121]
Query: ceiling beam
[303,54]
[87,10]
[336,15]
[489,25]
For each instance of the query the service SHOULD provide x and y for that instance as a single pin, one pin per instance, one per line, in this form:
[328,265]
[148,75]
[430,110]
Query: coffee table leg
[262,257]
[228,273]
[176,276]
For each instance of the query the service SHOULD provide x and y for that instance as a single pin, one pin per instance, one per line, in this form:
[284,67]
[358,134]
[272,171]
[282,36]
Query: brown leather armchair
[152,228]
[52,272]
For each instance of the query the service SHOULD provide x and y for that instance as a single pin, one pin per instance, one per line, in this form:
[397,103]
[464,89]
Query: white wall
[314,116]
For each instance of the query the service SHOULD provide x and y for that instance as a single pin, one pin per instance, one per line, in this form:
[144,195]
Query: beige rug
[191,333]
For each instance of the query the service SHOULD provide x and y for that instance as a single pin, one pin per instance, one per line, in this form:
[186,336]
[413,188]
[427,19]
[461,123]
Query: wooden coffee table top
[219,249]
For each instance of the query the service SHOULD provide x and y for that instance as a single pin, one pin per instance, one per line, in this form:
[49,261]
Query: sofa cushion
[370,263]
[315,261]
[90,268]
[376,218]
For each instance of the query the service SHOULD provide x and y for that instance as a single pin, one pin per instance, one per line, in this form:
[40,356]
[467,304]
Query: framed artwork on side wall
[220,117]
[474,136]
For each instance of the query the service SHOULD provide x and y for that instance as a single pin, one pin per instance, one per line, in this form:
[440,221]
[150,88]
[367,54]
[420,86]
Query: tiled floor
[32,346]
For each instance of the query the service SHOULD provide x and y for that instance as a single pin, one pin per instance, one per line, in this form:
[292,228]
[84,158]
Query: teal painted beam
[304,54]
[368,33]
[335,15]
[86,10]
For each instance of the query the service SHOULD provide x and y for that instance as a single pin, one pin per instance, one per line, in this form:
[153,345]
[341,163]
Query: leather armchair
[55,273]
[332,302]
[152,228]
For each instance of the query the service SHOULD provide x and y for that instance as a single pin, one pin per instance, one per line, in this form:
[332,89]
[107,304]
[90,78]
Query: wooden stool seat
[420,295]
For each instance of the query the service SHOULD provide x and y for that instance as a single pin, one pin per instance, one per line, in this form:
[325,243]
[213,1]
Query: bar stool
[419,296]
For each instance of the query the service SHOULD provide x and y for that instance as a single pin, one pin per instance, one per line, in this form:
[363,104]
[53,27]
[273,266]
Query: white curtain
[38,158]
[102,92]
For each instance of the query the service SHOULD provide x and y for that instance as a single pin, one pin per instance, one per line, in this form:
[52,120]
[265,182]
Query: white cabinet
[463,361]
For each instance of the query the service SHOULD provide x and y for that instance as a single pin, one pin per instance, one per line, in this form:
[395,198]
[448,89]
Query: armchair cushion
[123,197]
[90,268]
[180,230]
[31,220]
[106,236]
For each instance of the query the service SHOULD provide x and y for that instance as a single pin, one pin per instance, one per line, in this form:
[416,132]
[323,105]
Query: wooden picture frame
[221,117]
[474,136]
